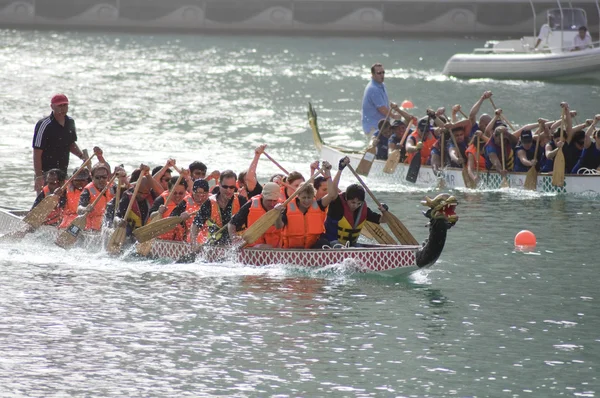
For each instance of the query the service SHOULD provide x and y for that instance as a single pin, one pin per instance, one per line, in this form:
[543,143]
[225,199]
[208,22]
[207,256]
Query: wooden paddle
[531,177]
[143,248]
[69,236]
[159,227]
[39,213]
[117,200]
[501,115]
[276,163]
[396,226]
[376,232]
[117,238]
[191,256]
[558,173]
[504,183]
[441,178]
[256,230]
[415,163]
[394,158]
[364,166]
[477,158]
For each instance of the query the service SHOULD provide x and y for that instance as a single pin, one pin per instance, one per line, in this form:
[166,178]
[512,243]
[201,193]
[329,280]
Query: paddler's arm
[157,177]
[477,105]
[489,129]
[410,146]
[325,200]
[84,201]
[591,125]
[523,158]
[495,162]
[250,178]
[333,185]
[407,116]
[100,156]
[471,166]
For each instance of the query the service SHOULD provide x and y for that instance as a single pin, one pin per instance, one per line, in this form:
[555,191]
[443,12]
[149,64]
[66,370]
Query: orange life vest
[191,206]
[55,215]
[273,235]
[479,163]
[70,209]
[425,150]
[177,232]
[95,217]
[302,230]
[214,222]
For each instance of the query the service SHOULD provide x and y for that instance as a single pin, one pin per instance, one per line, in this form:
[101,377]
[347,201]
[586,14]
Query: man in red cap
[54,137]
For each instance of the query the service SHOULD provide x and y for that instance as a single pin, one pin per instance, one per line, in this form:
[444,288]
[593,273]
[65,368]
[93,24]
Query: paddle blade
[36,217]
[392,162]
[558,174]
[366,162]
[258,229]
[69,236]
[504,183]
[376,232]
[144,249]
[116,240]
[413,169]
[469,182]
[531,179]
[399,230]
[155,228]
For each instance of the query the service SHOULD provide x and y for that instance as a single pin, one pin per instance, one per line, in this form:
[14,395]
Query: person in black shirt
[54,137]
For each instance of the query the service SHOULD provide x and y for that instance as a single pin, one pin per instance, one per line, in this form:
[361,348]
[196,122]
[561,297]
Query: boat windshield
[572,19]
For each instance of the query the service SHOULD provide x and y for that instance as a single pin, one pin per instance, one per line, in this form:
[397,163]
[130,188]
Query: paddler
[200,194]
[140,210]
[304,217]
[100,177]
[175,206]
[420,140]
[348,211]
[252,211]
[72,194]
[474,164]
[55,178]
[219,209]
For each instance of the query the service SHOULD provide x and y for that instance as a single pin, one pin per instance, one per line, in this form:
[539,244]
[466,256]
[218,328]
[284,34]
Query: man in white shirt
[583,40]
[545,31]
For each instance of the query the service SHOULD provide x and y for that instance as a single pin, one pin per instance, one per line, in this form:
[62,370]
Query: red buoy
[525,238]
[407,104]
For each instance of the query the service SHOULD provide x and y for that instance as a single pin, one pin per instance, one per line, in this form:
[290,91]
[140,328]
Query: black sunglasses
[228,186]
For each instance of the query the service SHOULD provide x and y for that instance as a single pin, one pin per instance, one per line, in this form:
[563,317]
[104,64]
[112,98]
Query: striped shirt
[55,141]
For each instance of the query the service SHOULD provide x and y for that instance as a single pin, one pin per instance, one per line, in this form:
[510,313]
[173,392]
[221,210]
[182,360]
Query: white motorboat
[520,59]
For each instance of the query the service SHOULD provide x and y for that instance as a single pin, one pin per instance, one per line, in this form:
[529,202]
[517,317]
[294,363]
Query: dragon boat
[427,177]
[388,260]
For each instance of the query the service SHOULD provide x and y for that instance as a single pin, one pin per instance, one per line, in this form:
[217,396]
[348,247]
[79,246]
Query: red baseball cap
[59,99]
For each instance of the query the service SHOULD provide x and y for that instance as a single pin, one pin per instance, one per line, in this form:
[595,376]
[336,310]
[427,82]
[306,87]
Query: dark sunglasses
[380,73]
[228,186]
[100,177]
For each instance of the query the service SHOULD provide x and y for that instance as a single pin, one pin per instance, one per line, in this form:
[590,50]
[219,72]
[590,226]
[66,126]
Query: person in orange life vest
[218,210]
[475,166]
[193,202]
[348,211]
[247,183]
[55,178]
[303,219]
[100,176]
[140,210]
[290,184]
[420,140]
[175,207]
[72,194]
[253,211]
[435,158]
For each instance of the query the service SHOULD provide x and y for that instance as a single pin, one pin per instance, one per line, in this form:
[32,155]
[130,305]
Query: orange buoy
[407,104]
[525,238]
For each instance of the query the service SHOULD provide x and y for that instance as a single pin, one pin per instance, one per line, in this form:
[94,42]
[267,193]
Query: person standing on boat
[347,212]
[54,137]
[583,40]
[545,32]
[376,104]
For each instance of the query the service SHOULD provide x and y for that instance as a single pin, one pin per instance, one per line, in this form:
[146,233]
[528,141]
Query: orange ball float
[525,238]
[407,104]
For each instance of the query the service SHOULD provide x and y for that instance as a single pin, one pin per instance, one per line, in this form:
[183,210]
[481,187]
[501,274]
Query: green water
[486,321]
